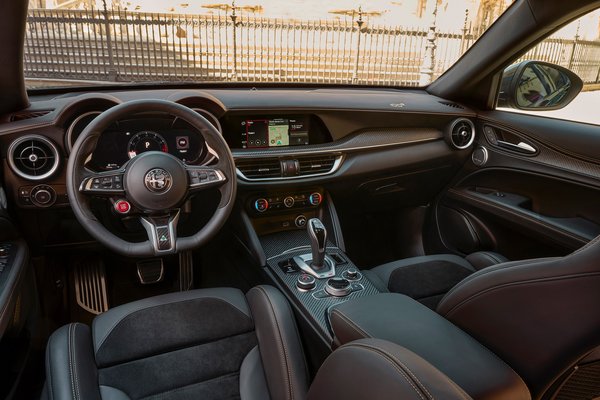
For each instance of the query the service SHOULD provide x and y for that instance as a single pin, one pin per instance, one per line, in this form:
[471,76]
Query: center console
[302,249]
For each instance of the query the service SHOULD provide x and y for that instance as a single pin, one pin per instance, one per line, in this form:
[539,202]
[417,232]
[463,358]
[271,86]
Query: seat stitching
[391,360]
[49,371]
[408,370]
[352,324]
[517,283]
[280,337]
[298,339]
[75,374]
[69,353]
[495,268]
[173,350]
[175,390]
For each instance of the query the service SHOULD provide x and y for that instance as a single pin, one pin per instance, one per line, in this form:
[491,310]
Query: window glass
[382,42]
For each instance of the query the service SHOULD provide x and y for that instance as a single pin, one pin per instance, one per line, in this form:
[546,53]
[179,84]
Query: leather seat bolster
[279,344]
[406,322]
[484,259]
[70,366]
[137,330]
[539,313]
[378,369]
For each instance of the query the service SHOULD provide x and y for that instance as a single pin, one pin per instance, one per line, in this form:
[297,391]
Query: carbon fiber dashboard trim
[549,157]
[359,141]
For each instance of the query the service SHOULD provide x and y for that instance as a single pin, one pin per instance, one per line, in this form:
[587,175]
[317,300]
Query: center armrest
[404,321]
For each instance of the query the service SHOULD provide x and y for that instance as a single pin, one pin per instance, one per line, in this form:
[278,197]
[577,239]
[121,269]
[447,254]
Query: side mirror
[537,85]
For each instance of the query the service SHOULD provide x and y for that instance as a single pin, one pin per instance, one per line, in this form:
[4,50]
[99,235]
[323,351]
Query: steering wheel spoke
[162,231]
[202,177]
[103,184]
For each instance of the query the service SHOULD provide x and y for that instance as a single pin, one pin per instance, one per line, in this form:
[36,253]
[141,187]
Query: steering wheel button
[122,206]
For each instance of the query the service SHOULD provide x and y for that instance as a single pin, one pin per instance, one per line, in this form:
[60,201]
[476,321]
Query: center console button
[338,287]
[289,202]
[306,282]
[352,275]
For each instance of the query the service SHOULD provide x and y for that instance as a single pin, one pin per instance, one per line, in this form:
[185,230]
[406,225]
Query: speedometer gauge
[145,141]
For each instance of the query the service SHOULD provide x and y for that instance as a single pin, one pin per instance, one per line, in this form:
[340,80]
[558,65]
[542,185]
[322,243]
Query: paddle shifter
[318,242]
[317,263]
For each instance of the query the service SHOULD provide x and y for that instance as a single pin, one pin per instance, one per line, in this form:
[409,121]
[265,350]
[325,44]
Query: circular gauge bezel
[130,150]
[69,140]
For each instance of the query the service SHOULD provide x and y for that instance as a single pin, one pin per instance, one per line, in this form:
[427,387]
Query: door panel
[531,198]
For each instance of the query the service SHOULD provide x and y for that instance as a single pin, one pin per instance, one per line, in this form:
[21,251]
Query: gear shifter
[318,242]
[317,264]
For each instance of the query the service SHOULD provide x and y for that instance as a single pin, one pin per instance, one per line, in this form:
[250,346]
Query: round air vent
[33,157]
[461,133]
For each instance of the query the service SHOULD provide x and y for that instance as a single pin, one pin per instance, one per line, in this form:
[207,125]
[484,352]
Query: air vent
[313,165]
[20,116]
[290,167]
[461,133]
[33,157]
[259,168]
[451,104]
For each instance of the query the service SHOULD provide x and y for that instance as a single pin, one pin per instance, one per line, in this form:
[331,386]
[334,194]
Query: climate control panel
[286,201]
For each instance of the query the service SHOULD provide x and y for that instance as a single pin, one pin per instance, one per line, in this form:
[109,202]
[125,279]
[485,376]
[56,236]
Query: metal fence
[115,45]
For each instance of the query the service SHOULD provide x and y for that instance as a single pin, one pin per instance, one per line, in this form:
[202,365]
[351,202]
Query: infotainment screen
[274,132]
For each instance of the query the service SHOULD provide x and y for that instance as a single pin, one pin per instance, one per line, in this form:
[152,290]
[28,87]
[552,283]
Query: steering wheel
[155,183]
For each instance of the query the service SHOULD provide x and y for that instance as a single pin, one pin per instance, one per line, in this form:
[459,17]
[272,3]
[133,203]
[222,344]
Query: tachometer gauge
[145,141]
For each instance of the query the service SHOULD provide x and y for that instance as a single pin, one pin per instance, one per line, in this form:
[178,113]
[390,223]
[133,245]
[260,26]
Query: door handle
[521,147]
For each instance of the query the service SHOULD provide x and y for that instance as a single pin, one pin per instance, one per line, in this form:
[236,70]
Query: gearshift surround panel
[304,263]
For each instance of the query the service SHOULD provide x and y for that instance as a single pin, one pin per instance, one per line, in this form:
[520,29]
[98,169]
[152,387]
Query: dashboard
[281,139]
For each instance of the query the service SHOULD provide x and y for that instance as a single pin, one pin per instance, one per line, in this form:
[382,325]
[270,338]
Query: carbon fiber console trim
[282,246]
[316,309]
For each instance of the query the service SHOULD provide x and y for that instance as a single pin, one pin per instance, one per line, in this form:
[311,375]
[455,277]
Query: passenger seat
[428,278]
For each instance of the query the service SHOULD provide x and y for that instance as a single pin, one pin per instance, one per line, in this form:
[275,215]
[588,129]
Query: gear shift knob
[318,242]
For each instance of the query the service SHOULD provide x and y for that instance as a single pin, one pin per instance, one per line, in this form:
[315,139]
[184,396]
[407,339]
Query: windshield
[383,42]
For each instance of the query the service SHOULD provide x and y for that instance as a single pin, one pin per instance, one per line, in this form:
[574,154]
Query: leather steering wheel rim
[85,145]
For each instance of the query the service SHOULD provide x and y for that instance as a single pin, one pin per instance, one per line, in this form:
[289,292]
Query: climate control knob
[261,205]
[288,202]
[315,198]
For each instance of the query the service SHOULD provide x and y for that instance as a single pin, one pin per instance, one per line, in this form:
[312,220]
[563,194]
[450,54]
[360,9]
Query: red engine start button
[122,206]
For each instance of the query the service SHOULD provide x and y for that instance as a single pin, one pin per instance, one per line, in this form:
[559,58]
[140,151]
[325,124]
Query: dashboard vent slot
[461,133]
[20,116]
[451,104]
[318,164]
[259,168]
[33,157]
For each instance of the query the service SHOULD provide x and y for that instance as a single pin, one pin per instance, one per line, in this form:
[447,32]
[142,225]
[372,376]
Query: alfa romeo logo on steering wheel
[158,180]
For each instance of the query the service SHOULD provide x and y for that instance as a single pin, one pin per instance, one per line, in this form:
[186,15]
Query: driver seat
[202,344]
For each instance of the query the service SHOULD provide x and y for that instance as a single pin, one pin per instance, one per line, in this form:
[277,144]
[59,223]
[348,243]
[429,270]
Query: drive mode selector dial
[338,287]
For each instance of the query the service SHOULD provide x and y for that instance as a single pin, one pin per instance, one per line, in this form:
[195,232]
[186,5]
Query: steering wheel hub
[155,181]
